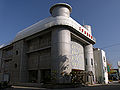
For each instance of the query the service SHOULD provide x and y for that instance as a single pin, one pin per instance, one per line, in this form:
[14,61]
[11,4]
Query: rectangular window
[86,61]
[87,78]
[104,59]
[91,61]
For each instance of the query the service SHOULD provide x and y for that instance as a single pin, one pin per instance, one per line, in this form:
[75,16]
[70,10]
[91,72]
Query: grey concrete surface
[112,86]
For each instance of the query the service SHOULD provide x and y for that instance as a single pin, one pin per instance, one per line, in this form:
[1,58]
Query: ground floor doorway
[45,75]
[33,76]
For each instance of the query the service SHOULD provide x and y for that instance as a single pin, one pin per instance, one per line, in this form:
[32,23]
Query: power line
[110,46]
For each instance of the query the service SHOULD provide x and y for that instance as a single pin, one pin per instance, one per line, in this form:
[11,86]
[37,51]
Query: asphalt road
[111,86]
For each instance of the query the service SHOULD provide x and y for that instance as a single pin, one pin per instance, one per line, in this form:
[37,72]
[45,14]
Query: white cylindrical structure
[61,47]
[88,27]
[61,9]
[60,52]
[89,59]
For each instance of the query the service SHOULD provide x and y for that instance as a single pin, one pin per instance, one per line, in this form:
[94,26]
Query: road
[112,86]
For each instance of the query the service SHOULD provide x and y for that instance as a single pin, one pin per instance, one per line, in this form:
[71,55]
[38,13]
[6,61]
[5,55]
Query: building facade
[100,66]
[50,50]
[119,69]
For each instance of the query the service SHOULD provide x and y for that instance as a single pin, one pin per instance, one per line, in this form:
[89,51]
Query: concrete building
[100,66]
[119,69]
[49,50]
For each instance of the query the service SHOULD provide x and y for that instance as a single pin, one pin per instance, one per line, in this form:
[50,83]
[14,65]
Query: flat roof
[49,22]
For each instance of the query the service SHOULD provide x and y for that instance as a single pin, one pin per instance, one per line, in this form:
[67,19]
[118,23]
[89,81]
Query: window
[91,61]
[93,78]
[86,61]
[9,52]
[104,59]
[16,52]
[15,65]
[87,78]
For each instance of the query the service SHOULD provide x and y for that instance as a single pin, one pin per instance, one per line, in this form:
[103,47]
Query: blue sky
[102,15]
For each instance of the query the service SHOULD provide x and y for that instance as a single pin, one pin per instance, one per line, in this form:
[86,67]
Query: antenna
[83,21]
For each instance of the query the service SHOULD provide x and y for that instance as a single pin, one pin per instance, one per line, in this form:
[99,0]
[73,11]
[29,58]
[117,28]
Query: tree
[109,67]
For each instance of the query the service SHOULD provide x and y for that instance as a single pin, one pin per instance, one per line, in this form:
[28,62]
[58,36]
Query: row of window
[87,62]
[39,43]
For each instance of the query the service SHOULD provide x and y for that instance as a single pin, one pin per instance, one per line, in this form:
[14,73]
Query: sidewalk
[24,87]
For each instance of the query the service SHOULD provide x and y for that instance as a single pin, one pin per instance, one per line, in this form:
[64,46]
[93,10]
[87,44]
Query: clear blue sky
[102,15]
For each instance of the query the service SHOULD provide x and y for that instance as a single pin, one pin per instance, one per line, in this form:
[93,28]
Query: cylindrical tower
[60,9]
[89,59]
[88,27]
[61,48]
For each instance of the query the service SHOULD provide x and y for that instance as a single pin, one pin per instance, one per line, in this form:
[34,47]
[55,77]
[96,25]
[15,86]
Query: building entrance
[45,75]
[33,76]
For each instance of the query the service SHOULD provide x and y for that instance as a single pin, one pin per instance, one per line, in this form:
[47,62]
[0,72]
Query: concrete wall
[39,54]
[0,59]
[1,65]
[101,66]
[60,53]
[6,63]
[39,60]
[45,59]
[37,50]
[17,61]
[98,66]
[89,59]
[104,61]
